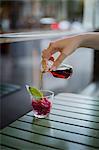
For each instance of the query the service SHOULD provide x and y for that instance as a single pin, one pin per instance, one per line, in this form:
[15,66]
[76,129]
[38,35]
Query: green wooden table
[73,124]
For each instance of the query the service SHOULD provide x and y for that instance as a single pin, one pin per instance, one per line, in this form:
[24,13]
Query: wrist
[83,39]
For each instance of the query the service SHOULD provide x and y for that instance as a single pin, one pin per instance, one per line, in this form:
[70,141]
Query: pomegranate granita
[42,107]
[41,101]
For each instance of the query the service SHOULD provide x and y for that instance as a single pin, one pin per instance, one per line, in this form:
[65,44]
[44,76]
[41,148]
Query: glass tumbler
[42,106]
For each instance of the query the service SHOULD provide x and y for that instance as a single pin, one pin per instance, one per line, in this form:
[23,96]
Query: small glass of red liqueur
[64,71]
[42,106]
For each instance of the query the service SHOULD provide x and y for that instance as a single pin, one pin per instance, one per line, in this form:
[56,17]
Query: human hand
[65,46]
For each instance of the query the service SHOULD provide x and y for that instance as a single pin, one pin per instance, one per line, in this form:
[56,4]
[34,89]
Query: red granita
[42,106]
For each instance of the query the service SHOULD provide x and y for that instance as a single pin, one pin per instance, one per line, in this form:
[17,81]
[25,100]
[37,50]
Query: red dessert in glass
[42,106]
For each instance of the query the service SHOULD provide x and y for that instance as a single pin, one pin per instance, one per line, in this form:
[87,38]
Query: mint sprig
[34,92]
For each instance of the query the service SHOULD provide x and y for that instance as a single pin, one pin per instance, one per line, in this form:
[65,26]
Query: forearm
[89,40]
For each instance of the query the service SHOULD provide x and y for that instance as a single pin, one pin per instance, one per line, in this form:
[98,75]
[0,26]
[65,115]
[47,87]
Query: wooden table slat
[46,140]
[56,133]
[21,144]
[73,104]
[61,126]
[76,110]
[72,121]
[78,96]
[76,116]
[77,100]
[7,148]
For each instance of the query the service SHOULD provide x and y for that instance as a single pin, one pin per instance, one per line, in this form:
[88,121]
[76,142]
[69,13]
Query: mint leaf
[34,92]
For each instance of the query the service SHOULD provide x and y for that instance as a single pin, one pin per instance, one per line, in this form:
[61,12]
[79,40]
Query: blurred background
[21,58]
[48,20]
[31,15]
[26,28]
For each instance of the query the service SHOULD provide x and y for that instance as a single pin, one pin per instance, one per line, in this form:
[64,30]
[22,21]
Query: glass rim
[51,93]
[47,91]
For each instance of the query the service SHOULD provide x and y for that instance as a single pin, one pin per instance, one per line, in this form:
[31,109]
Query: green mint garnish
[34,92]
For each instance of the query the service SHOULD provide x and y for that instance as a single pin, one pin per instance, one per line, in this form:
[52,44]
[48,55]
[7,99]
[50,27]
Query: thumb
[58,61]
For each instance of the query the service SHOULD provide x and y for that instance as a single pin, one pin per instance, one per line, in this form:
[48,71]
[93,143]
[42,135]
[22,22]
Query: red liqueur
[63,72]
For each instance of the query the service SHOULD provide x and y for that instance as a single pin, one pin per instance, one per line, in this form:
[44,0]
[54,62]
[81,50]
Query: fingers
[49,51]
[53,48]
[58,61]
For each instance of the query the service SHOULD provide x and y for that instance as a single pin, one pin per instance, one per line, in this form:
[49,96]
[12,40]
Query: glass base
[40,116]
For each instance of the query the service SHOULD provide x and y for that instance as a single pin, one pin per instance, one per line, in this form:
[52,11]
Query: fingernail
[53,68]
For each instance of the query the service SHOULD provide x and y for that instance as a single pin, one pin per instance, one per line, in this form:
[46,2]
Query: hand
[65,46]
